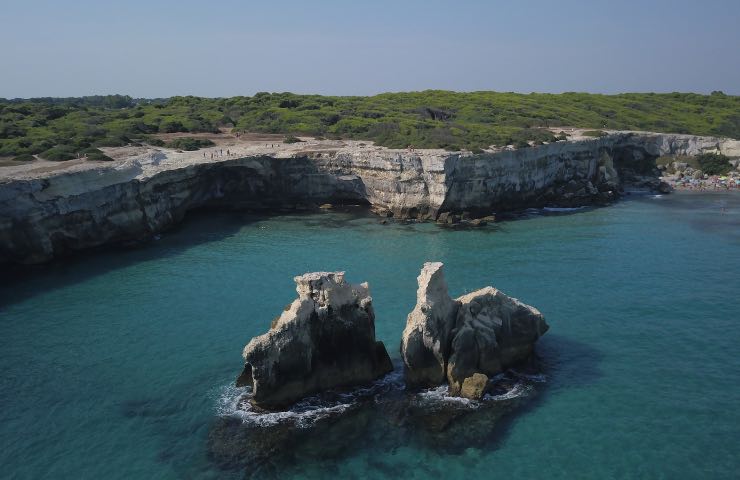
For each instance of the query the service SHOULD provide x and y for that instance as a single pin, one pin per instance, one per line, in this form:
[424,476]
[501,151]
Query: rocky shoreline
[58,209]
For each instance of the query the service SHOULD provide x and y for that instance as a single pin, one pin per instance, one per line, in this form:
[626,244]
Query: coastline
[51,209]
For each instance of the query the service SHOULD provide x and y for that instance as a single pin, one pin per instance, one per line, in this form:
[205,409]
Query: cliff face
[423,185]
[46,217]
[481,333]
[324,339]
[48,214]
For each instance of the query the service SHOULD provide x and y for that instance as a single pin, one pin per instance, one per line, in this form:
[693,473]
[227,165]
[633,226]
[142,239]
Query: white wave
[534,377]
[519,390]
[562,209]
[234,402]
[441,395]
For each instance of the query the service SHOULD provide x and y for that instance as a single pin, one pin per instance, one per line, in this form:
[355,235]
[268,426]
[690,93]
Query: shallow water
[118,364]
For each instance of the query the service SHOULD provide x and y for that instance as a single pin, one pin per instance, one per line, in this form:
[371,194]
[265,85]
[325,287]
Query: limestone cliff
[41,218]
[49,213]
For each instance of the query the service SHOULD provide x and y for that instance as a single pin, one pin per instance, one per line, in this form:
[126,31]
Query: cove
[119,363]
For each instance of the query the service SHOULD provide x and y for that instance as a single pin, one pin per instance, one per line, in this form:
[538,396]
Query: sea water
[118,364]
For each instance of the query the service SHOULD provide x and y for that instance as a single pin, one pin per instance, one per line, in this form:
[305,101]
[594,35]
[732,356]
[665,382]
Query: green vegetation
[292,139]
[24,158]
[713,164]
[189,143]
[709,163]
[62,127]
[59,153]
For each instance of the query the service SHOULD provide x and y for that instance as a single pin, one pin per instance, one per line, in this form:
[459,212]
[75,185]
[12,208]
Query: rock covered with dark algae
[467,340]
[323,340]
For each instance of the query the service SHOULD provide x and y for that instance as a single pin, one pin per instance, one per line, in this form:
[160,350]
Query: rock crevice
[463,340]
[324,339]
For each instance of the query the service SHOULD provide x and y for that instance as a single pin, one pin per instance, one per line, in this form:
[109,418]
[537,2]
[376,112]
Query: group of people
[220,152]
[217,153]
[712,183]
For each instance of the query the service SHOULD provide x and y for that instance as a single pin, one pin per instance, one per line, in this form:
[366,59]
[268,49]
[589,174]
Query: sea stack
[467,340]
[426,340]
[324,339]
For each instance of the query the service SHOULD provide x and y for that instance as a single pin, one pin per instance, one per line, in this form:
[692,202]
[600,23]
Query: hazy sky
[221,48]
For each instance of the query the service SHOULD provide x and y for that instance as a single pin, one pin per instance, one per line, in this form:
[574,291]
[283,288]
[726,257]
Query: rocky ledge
[323,340]
[467,340]
[48,210]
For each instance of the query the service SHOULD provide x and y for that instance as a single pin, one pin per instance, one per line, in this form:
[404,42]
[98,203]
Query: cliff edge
[51,209]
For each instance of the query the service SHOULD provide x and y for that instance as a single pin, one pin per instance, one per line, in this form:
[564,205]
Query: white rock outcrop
[323,340]
[426,339]
[492,333]
[481,333]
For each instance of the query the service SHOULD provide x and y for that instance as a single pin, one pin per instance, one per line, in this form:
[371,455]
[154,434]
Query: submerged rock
[382,418]
[324,339]
[483,332]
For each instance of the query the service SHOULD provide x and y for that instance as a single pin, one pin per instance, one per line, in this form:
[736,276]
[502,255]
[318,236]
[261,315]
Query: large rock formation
[47,212]
[427,337]
[324,339]
[483,332]
[493,332]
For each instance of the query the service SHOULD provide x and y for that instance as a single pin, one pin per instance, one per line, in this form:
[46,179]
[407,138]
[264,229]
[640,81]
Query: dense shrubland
[58,128]
[714,164]
[709,163]
[189,143]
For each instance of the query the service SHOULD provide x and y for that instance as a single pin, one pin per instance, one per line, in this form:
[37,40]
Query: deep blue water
[116,364]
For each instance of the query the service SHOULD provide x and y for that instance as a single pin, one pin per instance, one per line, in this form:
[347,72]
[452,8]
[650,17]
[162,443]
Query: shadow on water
[83,265]
[714,212]
[717,213]
[535,213]
[199,227]
[566,363]
[394,419]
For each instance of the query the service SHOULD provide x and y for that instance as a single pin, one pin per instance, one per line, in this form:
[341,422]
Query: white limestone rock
[484,332]
[324,339]
[493,332]
[426,338]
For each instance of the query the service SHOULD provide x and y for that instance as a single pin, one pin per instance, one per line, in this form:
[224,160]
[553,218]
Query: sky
[151,48]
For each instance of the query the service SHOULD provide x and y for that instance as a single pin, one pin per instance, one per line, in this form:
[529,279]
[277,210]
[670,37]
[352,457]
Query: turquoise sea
[119,364]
